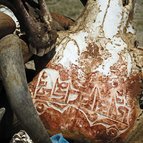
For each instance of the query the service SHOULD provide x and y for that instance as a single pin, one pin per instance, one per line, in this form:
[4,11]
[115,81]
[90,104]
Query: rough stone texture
[89,89]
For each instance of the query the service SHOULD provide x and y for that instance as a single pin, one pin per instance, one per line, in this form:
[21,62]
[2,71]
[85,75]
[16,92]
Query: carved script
[98,105]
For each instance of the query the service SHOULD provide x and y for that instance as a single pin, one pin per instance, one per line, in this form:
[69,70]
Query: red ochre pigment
[90,106]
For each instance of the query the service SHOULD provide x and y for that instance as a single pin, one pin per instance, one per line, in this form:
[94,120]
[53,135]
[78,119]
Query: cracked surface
[90,87]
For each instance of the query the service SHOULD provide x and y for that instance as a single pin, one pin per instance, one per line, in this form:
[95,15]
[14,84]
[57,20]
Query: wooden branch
[14,81]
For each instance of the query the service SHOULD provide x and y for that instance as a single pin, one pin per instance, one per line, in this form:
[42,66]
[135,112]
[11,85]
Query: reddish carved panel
[92,106]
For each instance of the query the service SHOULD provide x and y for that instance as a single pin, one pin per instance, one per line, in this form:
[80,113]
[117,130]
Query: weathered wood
[14,81]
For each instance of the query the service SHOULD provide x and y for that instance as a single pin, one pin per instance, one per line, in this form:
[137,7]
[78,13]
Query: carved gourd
[89,90]
[7,25]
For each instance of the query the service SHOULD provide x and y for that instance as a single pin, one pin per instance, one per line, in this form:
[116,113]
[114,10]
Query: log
[14,80]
